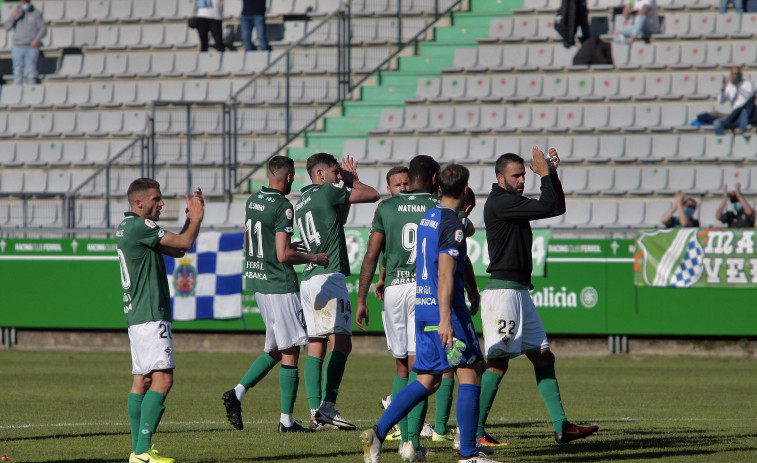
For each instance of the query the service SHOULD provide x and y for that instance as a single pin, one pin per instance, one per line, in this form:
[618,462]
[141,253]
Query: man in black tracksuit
[512,325]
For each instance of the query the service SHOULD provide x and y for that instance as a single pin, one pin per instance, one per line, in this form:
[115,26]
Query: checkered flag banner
[671,258]
[207,281]
[691,267]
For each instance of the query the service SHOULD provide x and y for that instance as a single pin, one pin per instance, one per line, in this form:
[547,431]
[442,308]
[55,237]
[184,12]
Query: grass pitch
[67,407]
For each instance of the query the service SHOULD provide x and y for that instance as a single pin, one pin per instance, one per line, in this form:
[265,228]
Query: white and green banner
[696,258]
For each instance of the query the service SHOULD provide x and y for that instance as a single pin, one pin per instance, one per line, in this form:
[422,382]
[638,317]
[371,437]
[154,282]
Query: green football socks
[135,413]
[313,380]
[152,411]
[259,368]
[334,373]
[443,405]
[489,385]
[398,385]
[289,381]
[416,417]
[550,392]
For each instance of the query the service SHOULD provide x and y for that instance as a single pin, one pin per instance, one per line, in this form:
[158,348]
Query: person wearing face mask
[740,93]
[29,28]
[742,215]
[685,207]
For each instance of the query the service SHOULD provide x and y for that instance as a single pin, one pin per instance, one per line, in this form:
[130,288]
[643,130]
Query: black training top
[508,231]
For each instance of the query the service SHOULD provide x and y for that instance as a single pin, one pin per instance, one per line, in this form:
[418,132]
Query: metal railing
[210,133]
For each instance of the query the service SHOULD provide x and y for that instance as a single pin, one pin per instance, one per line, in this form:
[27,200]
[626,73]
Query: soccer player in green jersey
[397,179]
[320,215]
[269,256]
[147,305]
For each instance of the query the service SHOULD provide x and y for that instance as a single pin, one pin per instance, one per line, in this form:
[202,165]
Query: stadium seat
[627,183]
[630,214]
[680,179]
[630,86]
[481,150]
[708,180]
[575,180]
[601,179]
[604,214]
[606,86]
[379,150]
[455,149]
[579,216]
[653,179]
[468,118]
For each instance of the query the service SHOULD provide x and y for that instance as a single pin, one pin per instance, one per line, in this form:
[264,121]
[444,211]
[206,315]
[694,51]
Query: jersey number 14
[309,233]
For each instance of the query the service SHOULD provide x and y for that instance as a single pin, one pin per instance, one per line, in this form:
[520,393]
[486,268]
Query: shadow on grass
[73,435]
[610,444]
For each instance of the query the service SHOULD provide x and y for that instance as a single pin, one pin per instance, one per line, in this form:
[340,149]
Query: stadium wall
[587,289]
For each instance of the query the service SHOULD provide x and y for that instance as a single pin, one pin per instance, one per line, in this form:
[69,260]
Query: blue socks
[402,403]
[467,417]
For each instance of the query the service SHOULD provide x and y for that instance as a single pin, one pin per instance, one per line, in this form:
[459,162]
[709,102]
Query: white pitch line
[502,420]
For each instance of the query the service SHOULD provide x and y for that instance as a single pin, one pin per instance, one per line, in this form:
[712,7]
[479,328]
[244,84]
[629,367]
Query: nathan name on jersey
[397,218]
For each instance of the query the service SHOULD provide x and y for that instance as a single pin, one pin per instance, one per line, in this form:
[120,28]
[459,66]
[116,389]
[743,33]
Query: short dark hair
[139,185]
[504,160]
[318,159]
[396,170]
[453,180]
[423,168]
[277,163]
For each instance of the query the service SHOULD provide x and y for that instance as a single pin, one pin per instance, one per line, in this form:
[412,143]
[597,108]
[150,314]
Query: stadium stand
[496,79]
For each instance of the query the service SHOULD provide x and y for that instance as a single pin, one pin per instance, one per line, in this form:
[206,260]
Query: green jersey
[268,213]
[397,218]
[321,225]
[143,270]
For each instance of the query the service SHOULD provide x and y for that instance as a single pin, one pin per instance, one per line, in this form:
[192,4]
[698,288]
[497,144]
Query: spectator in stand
[209,14]
[253,16]
[738,4]
[29,28]
[686,207]
[740,93]
[644,21]
[743,212]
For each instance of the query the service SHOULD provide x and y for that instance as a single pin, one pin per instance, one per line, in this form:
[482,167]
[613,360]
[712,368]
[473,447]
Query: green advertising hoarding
[584,287]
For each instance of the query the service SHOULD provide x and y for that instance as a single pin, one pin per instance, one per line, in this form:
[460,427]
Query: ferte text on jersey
[255,275]
[403,277]
[424,296]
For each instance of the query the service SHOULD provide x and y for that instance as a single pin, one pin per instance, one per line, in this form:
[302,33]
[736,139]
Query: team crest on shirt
[150,223]
[185,278]
[289,214]
[459,236]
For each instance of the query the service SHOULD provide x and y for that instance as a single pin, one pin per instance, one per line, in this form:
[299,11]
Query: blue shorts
[430,356]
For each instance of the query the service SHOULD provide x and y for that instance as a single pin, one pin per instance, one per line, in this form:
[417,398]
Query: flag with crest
[207,282]
[671,258]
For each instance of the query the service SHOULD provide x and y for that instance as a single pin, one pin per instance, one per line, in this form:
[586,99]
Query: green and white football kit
[275,284]
[146,297]
[324,295]
[397,219]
